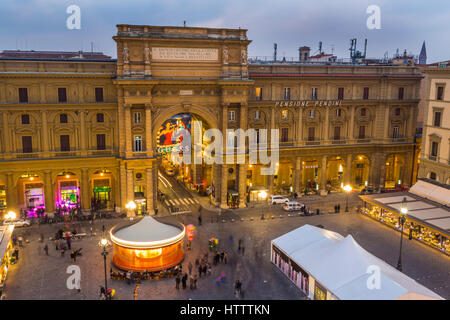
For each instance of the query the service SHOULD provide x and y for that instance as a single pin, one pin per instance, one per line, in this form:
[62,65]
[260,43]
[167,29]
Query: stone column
[128,141]
[300,127]
[374,170]
[85,190]
[45,140]
[348,170]
[269,178]
[382,179]
[123,186]
[386,124]
[6,134]
[325,131]
[217,183]
[298,177]
[148,130]
[242,185]
[83,136]
[150,191]
[407,170]
[11,193]
[323,176]
[130,186]
[49,193]
[224,186]
[351,126]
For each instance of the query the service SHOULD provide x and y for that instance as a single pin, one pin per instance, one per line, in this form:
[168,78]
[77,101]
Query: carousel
[147,245]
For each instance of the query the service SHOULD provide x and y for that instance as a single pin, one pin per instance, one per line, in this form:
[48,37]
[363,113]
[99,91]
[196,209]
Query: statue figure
[225,55]
[126,55]
[147,55]
[244,56]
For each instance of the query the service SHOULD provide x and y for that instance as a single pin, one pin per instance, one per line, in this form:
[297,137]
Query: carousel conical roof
[147,233]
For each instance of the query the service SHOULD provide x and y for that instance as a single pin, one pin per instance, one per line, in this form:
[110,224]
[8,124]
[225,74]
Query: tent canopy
[345,268]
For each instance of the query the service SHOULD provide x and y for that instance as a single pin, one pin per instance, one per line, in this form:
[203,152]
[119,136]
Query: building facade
[84,130]
[435,153]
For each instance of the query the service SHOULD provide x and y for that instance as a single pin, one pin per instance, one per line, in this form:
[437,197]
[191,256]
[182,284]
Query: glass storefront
[2,199]
[68,194]
[34,197]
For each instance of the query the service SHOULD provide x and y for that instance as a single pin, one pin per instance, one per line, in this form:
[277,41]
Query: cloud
[291,23]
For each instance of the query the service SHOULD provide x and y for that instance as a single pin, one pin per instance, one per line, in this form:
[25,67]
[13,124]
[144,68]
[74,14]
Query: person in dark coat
[184,280]
[177,281]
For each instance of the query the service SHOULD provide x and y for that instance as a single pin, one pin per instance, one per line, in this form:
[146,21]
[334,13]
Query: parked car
[17,223]
[293,206]
[278,199]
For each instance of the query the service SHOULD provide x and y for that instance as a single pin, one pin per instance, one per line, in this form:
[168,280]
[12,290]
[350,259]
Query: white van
[278,199]
[293,206]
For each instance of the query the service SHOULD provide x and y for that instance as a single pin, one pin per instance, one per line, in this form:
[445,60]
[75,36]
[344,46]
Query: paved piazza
[37,276]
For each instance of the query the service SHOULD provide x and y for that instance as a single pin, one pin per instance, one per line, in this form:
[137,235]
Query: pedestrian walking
[57,244]
[190,267]
[46,249]
[73,256]
[184,280]
[191,282]
[177,281]
[69,243]
[205,269]
[200,220]
[200,268]
[195,281]
[197,261]
[222,255]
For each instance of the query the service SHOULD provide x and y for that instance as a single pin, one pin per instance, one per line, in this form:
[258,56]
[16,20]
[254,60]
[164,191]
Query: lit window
[137,117]
[231,116]
[287,93]
[258,93]
[257,115]
[137,143]
[314,93]
[312,113]
[284,114]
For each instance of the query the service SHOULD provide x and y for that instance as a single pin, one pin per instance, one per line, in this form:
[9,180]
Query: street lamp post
[104,244]
[347,189]
[403,211]
[131,206]
[263,195]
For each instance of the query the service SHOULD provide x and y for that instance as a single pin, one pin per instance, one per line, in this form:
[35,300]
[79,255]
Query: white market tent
[341,266]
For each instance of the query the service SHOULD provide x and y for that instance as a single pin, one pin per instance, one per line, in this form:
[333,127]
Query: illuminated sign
[308,103]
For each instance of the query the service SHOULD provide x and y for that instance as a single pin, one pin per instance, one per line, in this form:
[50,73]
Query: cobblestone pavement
[37,276]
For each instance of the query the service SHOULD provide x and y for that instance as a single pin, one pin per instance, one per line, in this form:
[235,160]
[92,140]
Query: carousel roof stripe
[147,233]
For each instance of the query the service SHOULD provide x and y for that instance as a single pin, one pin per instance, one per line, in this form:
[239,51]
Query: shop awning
[341,266]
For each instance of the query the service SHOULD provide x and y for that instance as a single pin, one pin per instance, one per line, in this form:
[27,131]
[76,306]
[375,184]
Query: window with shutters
[138,143]
[258,93]
[340,93]
[257,115]
[137,117]
[434,148]
[63,118]
[25,119]
[64,142]
[101,141]
[440,93]
[284,134]
[366,93]
[362,132]
[23,95]
[98,94]
[314,93]
[287,93]
[395,133]
[231,115]
[100,117]
[337,133]
[27,145]
[437,118]
[401,92]
[311,132]
[62,95]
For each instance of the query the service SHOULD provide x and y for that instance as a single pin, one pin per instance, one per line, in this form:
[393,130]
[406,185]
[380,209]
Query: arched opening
[394,170]
[31,198]
[67,189]
[102,190]
[335,171]
[360,171]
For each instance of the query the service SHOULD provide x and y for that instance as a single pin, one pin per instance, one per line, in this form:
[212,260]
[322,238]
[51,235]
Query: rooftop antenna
[184,23]
[332,49]
[320,47]
[275,52]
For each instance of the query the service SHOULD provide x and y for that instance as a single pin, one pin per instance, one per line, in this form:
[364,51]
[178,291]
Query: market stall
[147,245]
[6,251]
[327,266]
[428,214]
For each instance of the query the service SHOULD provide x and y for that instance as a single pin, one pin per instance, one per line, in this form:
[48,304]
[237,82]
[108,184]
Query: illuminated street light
[348,188]
[11,215]
[403,211]
[130,206]
[104,243]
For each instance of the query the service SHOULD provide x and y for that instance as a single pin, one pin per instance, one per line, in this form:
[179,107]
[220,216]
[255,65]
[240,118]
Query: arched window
[25,119]
[363,112]
[433,175]
[397,111]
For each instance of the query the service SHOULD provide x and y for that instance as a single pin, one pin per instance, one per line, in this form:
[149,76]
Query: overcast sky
[405,24]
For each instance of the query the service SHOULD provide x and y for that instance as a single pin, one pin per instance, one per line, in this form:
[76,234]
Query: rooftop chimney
[303,53]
